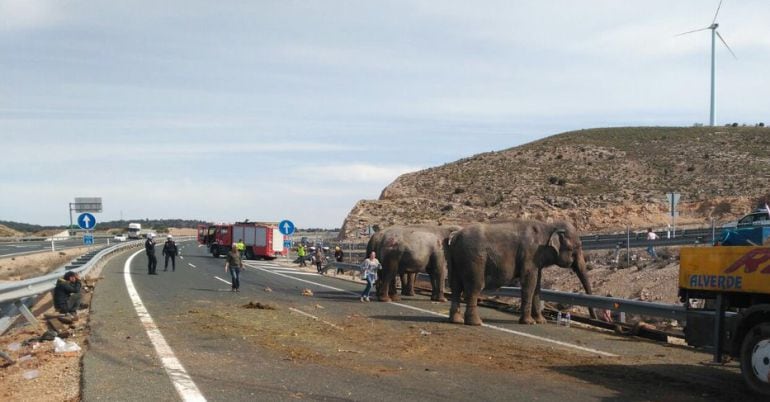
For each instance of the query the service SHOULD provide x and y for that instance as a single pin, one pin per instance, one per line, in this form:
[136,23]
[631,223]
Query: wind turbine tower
[714,34]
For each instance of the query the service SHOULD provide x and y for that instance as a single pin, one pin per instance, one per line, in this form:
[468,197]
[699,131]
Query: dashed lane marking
[313,317]
[182,381]
[191,265]
[506,330]
[223,280]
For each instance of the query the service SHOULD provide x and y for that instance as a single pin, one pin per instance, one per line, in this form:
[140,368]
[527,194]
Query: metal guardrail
[651,309]
[12,291]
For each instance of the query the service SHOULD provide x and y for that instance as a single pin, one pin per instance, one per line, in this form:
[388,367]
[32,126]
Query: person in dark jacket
[66,294]
[339,256]
[149,248]
[234,265]
[170,251]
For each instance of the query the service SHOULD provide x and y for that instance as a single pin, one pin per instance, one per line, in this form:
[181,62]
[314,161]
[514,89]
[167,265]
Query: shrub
[722,208]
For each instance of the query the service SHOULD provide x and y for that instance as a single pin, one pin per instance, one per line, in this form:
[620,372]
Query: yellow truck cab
[734,319]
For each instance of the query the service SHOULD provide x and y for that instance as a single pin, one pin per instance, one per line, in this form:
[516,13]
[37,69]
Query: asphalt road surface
[196,341]
[31,247]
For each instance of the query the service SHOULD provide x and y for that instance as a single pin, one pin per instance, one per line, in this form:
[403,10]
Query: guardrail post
[623,317]
[26,313]
[53,248]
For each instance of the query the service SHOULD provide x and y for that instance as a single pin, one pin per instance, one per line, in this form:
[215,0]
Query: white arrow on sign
[87,221]
[286,227]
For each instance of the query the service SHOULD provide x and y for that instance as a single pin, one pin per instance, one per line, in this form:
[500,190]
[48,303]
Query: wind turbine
[714,34]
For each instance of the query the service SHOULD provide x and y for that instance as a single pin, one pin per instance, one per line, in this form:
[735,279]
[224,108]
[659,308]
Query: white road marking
[313,317]
[510,331]
[223,280]
[181,258]
[191,265]
[524,334]
[184,385]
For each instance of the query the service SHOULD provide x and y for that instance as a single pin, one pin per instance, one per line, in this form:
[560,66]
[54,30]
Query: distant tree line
[120,224]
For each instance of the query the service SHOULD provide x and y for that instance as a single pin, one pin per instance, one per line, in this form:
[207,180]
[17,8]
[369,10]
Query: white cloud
[355,172]
[29,14]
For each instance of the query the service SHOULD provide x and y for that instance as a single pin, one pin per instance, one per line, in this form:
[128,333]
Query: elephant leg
[455,316]
[437,287]
[472,308]
[392,291]
[384,292]
[407,283]
[528,285]
[537,312]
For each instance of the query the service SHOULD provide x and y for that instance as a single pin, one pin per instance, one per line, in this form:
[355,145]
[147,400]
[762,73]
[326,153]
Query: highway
[11,249]
[196,341]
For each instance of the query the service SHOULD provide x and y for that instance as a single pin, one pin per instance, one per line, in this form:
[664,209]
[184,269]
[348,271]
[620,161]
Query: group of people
[318,257]
[170,251]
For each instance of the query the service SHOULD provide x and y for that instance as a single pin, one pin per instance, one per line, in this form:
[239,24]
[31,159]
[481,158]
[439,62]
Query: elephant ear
[556,240]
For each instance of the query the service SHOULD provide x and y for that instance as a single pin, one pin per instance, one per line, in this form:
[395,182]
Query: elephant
[491,255]
[407,250]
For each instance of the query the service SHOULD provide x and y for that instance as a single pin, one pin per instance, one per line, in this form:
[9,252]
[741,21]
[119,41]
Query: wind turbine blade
[697,30]
[726,45]
[717,13]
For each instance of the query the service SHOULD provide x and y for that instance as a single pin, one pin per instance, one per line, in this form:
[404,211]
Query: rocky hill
[600,179]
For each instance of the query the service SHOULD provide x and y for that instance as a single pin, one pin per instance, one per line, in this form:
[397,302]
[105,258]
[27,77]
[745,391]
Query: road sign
[86,221]
[87,204]
[286,227]
[88,239]
[287,244]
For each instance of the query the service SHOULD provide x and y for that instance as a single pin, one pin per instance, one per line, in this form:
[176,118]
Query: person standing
[149,248]
[369,269]
[301,254]
[318,258]
[234,264]
[651,237]
[339,256]
[66,294]
[241,247]
[170,251]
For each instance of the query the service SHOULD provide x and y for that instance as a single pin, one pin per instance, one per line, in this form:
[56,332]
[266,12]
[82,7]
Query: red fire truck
[263,241]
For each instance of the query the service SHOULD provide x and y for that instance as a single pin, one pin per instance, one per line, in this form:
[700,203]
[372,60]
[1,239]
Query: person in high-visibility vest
[301,254]
[241,246]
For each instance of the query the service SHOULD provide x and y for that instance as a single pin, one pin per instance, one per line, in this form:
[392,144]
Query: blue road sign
[287,244]
[88,239]
[286,227]
[86,221]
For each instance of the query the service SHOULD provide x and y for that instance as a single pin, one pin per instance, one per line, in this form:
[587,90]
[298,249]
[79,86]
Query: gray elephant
[491,255]
[407,250]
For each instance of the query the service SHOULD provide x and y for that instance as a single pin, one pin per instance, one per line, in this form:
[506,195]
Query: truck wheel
[249,254]
[215,251]
[755,359]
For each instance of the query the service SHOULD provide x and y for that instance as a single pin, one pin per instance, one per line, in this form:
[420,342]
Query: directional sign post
[673,199]
[86,221]
[286,227]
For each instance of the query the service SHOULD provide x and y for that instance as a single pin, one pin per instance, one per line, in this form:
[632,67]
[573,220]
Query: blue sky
[273,110]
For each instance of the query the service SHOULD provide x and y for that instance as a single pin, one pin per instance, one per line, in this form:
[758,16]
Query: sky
[271,110]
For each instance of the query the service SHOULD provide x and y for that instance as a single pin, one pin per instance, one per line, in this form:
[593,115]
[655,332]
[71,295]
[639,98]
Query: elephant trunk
[579,267]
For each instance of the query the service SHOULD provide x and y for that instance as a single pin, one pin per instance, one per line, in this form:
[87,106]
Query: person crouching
[66,294]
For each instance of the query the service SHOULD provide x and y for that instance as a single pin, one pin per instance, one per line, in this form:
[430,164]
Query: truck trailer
[263,241]
[731,288]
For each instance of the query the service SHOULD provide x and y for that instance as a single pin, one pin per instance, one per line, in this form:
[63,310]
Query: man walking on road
[234,264]
[651,237]
[170,251]
[149,248]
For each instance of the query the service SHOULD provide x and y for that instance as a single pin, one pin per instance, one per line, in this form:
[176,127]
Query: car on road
[760,217]
[119,238]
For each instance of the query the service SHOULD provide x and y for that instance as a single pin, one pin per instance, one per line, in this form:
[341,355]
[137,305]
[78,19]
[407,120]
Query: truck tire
[215,251]
[755,358]
[249,254]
